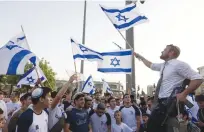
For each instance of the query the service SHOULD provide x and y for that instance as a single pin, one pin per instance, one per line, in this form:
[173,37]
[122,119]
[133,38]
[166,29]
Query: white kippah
[37,93]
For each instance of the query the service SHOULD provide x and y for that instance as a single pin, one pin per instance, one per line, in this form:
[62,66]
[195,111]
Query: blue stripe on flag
[89,49]
[127,9]
[87,56]
[15,61]
[137,19]
[86,82]
[119,53]
[92,91]
[114,70]
[27,73]
[33,60]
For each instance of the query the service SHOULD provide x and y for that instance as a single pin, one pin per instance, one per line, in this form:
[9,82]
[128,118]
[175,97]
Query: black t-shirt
[78,120]
[201,117]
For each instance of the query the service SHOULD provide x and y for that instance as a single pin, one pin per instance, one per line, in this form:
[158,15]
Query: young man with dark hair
[35,119]
[78,119]
[88,104]
[100,120]
[113,108]
[130,114]
[13,105]
[97,100]
[25,101]
[57,114]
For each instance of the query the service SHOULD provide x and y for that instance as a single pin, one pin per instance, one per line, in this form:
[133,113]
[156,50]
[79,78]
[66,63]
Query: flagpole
[29,48]
[118,46]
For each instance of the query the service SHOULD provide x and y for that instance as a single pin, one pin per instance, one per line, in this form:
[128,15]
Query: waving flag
[124,18]
[20,39]
[106,87]
[13,59]
[89,86]
[83,53]
[116,62]
[31,77]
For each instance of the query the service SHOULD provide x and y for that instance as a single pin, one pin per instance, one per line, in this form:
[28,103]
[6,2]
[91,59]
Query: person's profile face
[2,121]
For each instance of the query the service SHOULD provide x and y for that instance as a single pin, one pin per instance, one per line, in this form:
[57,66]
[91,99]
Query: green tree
[44,65]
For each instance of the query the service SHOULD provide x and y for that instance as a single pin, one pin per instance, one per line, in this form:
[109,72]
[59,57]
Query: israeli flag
[13,59]
[20,39]
[116,62]
[83,53]
[31,77]
[106,87]
[194,110]
[89,86]
[125,17]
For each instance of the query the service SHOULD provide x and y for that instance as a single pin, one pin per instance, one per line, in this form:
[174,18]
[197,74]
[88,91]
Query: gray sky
[49,26]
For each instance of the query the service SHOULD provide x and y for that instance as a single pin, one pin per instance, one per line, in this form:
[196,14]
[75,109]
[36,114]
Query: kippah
[37,93]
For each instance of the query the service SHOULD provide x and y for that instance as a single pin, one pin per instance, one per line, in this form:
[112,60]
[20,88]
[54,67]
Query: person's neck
[127,104]
[112,107]
[170,58]
[37,109]
[97,101]
[77,107]
[118,122]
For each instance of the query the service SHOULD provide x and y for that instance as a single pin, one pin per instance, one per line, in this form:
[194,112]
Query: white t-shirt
[111,113]
[129,116]
[55,114]
[95,105]
[120,128]
[4,108]
[100,124]
[31,122]
[12,107]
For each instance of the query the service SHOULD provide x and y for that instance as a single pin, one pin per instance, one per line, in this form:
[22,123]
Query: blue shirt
[78,120]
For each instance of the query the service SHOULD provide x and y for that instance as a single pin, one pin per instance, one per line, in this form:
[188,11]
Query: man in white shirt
[113,108]
[35,119]
[173,73]
[97,100]
[13,105]
[100,120]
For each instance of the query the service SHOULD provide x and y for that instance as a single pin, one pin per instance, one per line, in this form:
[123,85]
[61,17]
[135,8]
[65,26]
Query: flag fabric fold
[89,86]
[13,59]
[125,17]
[20,39]
[116,62]
[83,53]
[31,77]
[106,87]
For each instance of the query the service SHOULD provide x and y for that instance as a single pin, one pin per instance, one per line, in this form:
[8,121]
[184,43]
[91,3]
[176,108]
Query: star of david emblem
[30,79]
[10,45]
[83,49]
[115,62]
[120,18]
[21,38]
[90,84]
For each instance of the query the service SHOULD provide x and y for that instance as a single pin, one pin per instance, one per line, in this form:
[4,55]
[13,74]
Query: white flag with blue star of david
[20,39]
[83,53]
[116,62]
[13,59]
[125,17]
[89,86]
[31,77]
[106,87]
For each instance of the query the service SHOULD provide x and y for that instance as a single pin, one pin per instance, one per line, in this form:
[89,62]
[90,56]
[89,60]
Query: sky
[49,25]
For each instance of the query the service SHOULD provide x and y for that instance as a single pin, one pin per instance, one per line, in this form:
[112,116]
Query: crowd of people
[43,110]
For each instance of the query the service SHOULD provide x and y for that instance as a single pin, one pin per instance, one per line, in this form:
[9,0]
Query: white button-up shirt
[175,72]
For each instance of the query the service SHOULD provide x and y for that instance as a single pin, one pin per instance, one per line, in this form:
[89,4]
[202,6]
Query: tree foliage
[44,65]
